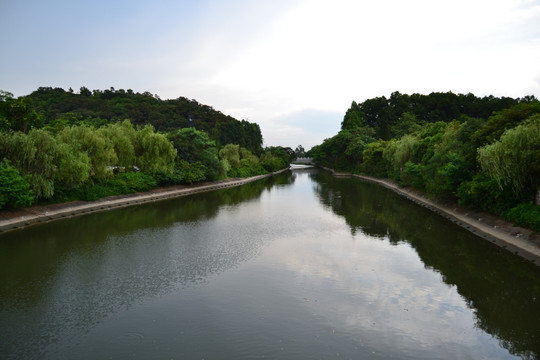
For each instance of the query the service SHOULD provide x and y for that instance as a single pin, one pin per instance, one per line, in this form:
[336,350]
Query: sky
[292,66]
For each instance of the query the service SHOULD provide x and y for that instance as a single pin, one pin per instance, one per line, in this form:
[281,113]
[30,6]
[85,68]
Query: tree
[98,148]
[231,154]
[84,91]
[299,151]
[195,146]
[514,160]
[353,117]
[44,160]
[154,152]
[123,137]
[18,114]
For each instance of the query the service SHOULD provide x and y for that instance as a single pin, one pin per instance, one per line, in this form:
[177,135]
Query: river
[301,265]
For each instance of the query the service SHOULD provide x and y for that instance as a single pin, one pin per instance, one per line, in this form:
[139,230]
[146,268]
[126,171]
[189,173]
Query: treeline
[481,152]
[43,160]
[59,107]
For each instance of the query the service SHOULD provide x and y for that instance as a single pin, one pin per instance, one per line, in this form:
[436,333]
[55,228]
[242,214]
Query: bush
[14,189]
[527,215]
[123,183]
[130,182]
[483,193]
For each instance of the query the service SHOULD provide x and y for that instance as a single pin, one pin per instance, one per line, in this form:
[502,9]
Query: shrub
[527,215]
[483,193]
[14,189]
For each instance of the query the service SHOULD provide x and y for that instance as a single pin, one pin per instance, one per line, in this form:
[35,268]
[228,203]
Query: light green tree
[514,160]
[98,148]
[123,137]
[153,151]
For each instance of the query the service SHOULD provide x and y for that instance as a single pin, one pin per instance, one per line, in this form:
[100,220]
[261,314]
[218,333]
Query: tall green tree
[195,146]
[154,151]
[18,114]
[95,145]
[514,160]
[123,137]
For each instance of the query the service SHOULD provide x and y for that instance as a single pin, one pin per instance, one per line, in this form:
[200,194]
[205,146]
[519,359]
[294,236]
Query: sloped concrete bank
[520,241]
[42,214]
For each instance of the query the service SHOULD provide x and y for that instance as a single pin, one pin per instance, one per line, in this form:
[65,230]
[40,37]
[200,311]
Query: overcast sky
[292,66]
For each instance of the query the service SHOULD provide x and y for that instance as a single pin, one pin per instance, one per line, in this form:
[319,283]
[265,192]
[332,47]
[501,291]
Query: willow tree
[123,137]
[153,151]
[514,160]
[95,145]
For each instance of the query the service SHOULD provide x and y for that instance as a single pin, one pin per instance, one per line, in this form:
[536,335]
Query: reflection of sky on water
[368,288]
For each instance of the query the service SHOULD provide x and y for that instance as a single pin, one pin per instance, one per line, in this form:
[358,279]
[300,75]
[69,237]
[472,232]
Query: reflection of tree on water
[503,289]
[42,244]
[107,261]
[90,230]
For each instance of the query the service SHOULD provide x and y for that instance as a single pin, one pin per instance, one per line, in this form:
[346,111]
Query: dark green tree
[14,189]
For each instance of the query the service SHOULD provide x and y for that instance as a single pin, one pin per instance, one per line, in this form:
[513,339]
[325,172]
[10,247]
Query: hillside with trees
[99,107]
[57,146]
[483,153]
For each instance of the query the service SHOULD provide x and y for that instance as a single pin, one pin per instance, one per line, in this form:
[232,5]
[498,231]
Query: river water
[298,266]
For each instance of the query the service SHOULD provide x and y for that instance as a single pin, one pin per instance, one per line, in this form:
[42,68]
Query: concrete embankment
[43,214]
[521,241]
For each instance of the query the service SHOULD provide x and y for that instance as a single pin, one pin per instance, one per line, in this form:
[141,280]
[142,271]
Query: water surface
[298,266]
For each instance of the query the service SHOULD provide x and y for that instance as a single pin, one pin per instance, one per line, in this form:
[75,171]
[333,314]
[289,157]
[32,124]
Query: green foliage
[431,142]
[123,138]
[373,161]
[413,175]
[183,173]
[130,182]
[18,114]
[514,161]
[527,215]
[194,146]
[190,173]
[14,189]
[503,120]
[344,151]
[231,154]
[249,164]
[101,107]
[406,124]
[240,162]
[483,193]
[95,145]
[123,183]
[85,152]
[403,151]
[78,154]
[401,113]
[153,151]
[34,156]
[275,158]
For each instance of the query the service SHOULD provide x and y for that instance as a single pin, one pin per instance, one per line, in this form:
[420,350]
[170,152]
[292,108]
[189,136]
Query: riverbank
[521,241]
[21,218]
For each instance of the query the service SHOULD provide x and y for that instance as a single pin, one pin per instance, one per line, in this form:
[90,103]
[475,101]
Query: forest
[483,153]
[58,146]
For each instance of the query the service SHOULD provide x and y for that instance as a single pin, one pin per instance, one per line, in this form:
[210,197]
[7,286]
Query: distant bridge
[304,161]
